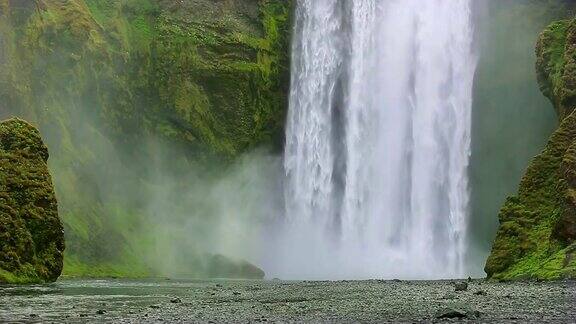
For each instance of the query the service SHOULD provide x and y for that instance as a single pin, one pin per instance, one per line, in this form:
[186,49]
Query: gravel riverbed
[132,301]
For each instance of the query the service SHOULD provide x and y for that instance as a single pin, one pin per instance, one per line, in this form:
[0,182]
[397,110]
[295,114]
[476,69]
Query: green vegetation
[537,231]
[556,65]
[111,83]
[31,237]
[512,120]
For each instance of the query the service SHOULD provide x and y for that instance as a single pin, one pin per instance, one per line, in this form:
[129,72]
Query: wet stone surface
[269,301]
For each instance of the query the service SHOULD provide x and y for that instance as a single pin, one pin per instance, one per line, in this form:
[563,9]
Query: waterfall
[378,139]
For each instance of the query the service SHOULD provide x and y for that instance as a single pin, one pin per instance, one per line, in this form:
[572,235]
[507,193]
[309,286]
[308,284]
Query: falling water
[378,139]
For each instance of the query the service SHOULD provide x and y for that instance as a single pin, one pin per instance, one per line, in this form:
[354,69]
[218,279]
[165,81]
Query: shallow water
[256,301]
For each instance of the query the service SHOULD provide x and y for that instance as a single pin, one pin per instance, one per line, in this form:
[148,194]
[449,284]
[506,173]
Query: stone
[457,311]
[461,286]
[451,313]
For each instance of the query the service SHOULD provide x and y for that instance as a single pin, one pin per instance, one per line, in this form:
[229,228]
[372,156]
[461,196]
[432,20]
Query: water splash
[378,140]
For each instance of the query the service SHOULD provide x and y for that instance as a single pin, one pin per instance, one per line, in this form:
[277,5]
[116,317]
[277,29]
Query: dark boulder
[220,266]
[461,286]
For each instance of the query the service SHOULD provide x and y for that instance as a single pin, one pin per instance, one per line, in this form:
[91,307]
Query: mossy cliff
[537,234]
[109,82]
[31,234]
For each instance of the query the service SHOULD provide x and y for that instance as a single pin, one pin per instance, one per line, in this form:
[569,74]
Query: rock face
[537,233]
[195,81]
[31,235]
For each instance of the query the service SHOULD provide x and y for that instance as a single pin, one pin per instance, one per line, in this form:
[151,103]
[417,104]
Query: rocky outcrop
[31,234]
[537,233]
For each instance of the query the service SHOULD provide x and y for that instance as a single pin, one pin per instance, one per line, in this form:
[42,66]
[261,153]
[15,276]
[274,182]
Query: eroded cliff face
[537,233]
[31,235]
[120,87]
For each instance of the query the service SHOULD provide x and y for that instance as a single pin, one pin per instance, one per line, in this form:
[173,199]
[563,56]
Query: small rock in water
[461,286]
[154,306]
[100,312]
[469,279]
[236,293]
[33,315]
[176,300]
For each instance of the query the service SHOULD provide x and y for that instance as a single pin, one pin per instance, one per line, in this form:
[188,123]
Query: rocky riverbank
[264,301]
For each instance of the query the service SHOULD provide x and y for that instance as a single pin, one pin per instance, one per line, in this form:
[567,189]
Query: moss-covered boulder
[537,233]
[31,234]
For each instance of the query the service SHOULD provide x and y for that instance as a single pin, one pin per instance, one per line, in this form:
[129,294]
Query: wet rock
[176,300]
[236,293]
[461,286]
[480,293]
[100,312]
[155,306]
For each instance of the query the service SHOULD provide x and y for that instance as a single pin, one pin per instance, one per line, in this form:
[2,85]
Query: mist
[135,203]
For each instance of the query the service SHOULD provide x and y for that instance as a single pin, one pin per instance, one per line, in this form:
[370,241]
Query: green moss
[208,77]
[228,83]
[556,65]
[31,237]
[538,226]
